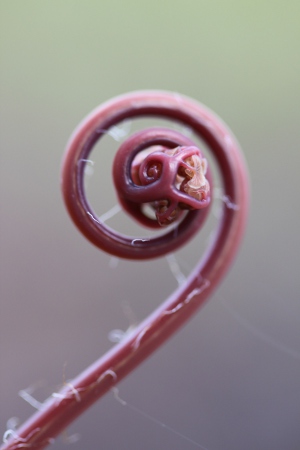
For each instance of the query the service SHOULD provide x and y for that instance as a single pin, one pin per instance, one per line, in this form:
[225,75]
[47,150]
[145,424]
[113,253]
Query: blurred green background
[230,378]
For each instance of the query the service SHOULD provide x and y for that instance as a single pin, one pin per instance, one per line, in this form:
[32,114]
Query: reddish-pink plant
[173,178]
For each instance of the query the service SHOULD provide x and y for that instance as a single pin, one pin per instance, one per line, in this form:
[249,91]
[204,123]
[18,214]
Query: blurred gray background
[230,379]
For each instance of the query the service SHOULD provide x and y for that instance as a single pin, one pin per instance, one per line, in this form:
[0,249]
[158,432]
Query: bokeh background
[230,378]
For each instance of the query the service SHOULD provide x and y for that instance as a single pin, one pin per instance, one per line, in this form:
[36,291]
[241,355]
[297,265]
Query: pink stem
[62,408]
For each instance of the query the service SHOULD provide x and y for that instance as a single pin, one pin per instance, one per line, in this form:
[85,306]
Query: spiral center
[162,168]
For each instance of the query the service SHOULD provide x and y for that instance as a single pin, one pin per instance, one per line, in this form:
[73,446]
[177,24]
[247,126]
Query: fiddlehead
[165,169]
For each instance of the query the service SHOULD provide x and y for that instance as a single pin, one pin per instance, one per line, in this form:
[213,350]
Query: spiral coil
[174,180]
[136,105]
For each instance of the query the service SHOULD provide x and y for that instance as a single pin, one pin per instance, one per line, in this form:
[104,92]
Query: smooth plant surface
[174,180]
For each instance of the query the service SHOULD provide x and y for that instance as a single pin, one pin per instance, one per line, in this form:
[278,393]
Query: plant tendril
[165,170]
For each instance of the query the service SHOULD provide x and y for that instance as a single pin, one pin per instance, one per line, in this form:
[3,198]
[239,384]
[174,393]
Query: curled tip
[173,177]
[162,176]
